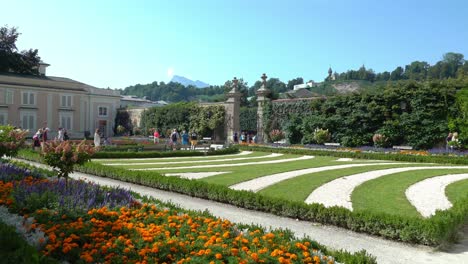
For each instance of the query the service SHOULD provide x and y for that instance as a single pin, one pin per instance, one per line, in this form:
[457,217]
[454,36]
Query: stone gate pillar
[262,98]
[232,106]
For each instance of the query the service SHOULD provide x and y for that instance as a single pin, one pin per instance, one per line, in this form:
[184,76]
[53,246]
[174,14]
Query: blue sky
[120,43]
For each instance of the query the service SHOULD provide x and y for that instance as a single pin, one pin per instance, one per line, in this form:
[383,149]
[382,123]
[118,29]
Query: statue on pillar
[232,106]
[262,98]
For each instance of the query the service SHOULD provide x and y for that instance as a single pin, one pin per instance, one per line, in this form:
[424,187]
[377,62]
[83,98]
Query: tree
[397,74]
[293,82]
[24,62]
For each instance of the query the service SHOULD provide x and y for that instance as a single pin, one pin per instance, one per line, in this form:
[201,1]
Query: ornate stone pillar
[262,98]
[232,106]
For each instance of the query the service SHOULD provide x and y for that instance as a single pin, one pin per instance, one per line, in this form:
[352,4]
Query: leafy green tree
[24,62]
[293,82]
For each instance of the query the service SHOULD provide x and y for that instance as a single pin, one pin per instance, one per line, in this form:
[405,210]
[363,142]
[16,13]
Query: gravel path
[196,175]
[429,195]
[192,157]
[260,183]
[231,165]
[273,155]
[338,192]
[387,252]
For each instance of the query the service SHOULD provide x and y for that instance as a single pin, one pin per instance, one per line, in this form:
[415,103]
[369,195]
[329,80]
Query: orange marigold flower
[218,256]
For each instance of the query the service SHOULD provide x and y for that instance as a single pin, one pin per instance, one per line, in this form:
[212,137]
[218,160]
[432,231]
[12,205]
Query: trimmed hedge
[362,155]
[434,231]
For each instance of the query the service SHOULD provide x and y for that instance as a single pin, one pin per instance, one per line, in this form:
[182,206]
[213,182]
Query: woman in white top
[97,138]
[60,134]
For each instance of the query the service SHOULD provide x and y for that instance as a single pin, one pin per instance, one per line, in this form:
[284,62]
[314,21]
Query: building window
[66,101]
[102,111]
[3,118]
[29,98]
[8,97]
[28,120]
[66,121]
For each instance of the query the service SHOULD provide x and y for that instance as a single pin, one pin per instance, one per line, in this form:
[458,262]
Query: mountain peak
[186,81]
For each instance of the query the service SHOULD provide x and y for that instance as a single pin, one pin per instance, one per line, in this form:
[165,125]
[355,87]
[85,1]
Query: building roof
[52,82]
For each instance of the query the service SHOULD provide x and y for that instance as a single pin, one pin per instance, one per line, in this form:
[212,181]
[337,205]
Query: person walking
[37,139]
[156,136]
[97,138]
[60,134]
[193,140]
[174,139]
[185,139]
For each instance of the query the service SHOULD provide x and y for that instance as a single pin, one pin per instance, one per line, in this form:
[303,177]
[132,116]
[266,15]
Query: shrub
[380,140]
[321,135]
[11,140]
[65,155]
[276,135]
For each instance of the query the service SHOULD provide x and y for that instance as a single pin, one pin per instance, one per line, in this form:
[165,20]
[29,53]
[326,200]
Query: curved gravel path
[386,251]
[196,175]
[273,155]
[338,192]
[231,165]
[260,183]
[429,195]
[189,157]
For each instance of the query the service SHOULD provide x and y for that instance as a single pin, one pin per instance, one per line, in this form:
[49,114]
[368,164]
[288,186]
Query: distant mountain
[186,82]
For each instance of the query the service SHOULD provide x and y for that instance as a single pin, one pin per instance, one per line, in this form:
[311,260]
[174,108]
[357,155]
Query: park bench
[216,146]
[332,144]
[403,147]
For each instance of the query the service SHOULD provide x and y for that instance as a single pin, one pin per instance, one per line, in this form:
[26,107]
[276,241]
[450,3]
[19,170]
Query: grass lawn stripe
[457,190]
[281,159]
[387,193]
[306,184]
[240,174]
[271,155]
[338,192]
[214,157]
[259,183]
[211,162]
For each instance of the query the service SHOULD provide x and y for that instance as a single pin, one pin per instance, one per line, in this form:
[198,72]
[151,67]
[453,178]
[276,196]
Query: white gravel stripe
[260,183]
[429,195]
[196,175]
[231,165]
[172,158]
[273,155]
[338,192]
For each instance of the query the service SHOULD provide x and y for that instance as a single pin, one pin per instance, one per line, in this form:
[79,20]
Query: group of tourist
[175,138]
[41,136]
[245,138]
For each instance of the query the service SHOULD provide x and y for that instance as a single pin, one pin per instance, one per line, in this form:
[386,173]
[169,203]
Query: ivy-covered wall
[406,113]
[248,118]
[205,120]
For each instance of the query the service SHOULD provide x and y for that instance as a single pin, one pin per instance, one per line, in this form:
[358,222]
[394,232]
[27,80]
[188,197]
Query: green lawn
[306,184]
[187,159]
[384,194]
[457,190]
[387,193]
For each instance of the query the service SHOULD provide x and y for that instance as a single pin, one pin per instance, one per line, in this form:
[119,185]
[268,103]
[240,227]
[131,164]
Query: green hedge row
[434,231]
[444,159]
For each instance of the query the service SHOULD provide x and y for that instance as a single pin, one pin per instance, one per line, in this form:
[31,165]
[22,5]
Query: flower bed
[107,225]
